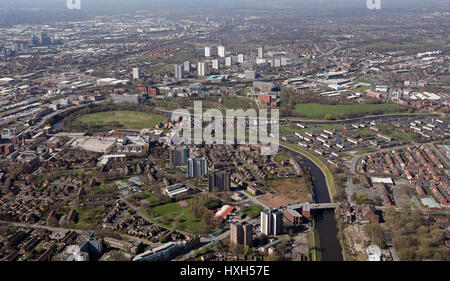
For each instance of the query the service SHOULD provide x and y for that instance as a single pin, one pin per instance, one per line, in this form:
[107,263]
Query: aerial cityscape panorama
[244,131]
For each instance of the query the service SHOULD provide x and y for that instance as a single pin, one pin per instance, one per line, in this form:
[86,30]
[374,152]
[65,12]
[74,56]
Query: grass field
[167,209]
[187,222]
[366,150]
[132,120]
[395,134]
[366,132]
[171,215]
[361,89]
[365,81]
[161,69]
[236,102]
[145,195]
[282,156]
[87,216]
[345,155]
[151,198]
[318,111]
[252,211]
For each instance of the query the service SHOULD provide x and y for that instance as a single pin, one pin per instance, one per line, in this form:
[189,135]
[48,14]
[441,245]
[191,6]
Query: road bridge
[323,206]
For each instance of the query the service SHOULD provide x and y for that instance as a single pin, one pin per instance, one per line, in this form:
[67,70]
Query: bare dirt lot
[286,191]
[357,238]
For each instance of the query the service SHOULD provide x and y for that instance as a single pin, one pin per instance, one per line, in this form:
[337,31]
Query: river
[326,221]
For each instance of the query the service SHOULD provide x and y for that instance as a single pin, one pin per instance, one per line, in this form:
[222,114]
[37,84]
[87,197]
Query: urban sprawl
[91,168]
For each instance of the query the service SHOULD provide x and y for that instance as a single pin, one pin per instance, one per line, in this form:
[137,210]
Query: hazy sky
[117,6]
[56,10]
[200,3]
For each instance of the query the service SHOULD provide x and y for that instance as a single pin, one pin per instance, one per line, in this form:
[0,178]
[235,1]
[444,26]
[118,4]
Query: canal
[325,220]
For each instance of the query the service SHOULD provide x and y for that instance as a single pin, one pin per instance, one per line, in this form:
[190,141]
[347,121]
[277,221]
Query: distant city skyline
[45,11]
[244,130]
[130,4]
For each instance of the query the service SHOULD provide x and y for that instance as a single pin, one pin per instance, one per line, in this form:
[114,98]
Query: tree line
[416,238]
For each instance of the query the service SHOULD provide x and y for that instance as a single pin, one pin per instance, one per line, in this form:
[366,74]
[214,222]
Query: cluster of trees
[287,102]
[414,238]
[369,100]
[340,180]
[307,175]
[375,232]
[362,198]
[308,96]
[171,103]
[202,208]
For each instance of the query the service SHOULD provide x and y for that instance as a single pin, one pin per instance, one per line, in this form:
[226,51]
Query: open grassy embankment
[329,177]
[314,244]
